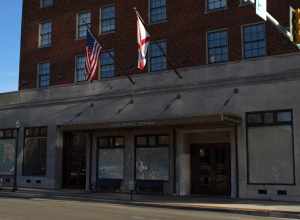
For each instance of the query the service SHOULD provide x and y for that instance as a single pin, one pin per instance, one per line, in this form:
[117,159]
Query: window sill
[44,46]
[209,11]
[158,22]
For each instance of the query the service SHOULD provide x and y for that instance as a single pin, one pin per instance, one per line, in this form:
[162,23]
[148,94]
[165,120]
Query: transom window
[8,133]
[264,118]
[217,43]
[107,67]
[45,34]
[254,40]
[35,152]
[80,68]
[157,56]
[46,3]
[108,19]
[158,11]
[83,24]
[43,75]
[111,142]
[216,4]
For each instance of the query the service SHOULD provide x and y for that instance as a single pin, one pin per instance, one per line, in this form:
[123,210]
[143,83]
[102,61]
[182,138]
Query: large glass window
[270,147]
[35,152]
[158,11]
[108,19]
[216,4]
[45,37]
[43,75]
[157,54]
[110,162]
[107,67]
[83,24]
[254,40]
[7,151]
[80,68]
[46,3]
[217,43]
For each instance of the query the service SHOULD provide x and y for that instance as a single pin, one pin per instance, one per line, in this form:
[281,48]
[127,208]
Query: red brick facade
[185,32]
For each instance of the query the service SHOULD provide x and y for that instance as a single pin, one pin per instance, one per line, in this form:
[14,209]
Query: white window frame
[40,45]
[42,4]
[77,23]
[228,44]
[38,75]
[242,39]
[149,56]
[207,10]
[100,19]
[149,14]
[75,70]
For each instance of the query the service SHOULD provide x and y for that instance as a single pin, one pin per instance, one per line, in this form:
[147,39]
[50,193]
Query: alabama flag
[143,39]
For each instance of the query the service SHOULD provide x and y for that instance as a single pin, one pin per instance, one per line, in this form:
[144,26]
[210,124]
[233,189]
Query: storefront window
[35,152]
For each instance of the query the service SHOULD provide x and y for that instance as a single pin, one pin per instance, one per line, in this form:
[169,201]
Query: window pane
[119,142]
[217,46]
[216,4]
[46,3]
[163,140]
[254,118]
[108,19]
[35,153]
[107,67]
[45,34]
[269,117]
[84,23]
[157,53]
[43,75]
[141,141]
[158,10]
[284,116]
[254,41]
[80,68]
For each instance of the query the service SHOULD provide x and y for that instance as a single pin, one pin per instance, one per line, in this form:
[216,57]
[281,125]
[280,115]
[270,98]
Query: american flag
[93,49]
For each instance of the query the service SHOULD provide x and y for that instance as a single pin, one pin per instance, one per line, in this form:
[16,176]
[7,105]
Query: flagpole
[159,47]
[115,60]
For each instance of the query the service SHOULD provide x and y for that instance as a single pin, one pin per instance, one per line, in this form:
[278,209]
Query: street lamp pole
[18,125]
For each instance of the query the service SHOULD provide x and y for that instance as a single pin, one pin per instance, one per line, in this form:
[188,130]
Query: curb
[252,212]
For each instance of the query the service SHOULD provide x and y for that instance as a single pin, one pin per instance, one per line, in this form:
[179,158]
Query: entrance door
[210,169]
[74,161]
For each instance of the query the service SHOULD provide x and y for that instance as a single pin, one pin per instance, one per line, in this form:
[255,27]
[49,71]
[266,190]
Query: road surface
[47,209]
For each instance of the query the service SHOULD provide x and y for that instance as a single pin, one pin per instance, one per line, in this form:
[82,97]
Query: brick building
[228,127]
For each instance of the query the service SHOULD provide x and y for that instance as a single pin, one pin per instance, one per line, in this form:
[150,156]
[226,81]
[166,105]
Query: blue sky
[10,23]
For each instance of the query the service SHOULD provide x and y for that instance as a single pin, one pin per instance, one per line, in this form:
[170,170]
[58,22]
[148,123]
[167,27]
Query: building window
[246,2]
[80,68]
[46,3]
[108,19]
[35,152]
[83,24]
[43,75]
[107,67]
[152,162]
[45,36]
[270,147]
[7,151]
[216,4]
[158,11]
[217,43]
[110,162]
[254,40]
[157,56]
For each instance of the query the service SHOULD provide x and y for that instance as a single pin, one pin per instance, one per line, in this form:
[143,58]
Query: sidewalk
[248,207]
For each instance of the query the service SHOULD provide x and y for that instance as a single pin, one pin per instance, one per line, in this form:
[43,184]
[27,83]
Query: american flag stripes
[93,49]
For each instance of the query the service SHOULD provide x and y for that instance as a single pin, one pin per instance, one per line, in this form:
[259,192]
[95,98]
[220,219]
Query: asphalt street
[47,209]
